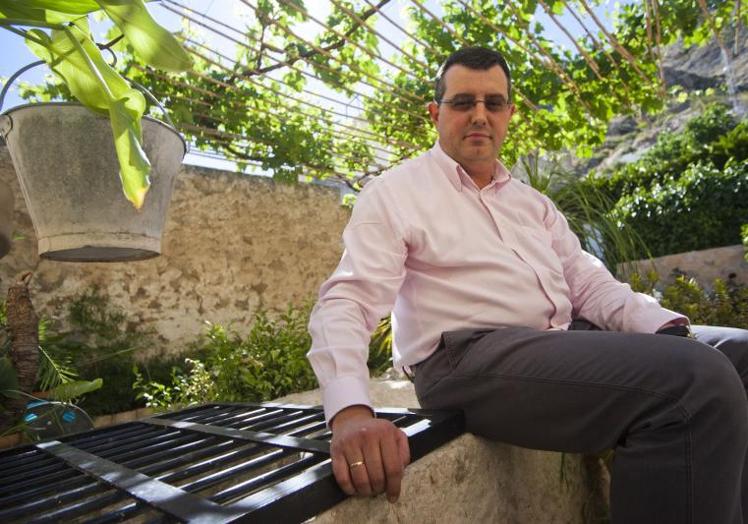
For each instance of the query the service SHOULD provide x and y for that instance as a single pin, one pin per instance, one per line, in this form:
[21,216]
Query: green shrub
[666,196]
[269,362]
[186,387]
[703,208]
[222,365]
[713,136]
[733,144]
[710,124]
[725,305]
[100,342]
[744,233]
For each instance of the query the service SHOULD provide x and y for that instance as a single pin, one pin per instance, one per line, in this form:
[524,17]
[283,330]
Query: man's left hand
[677,331]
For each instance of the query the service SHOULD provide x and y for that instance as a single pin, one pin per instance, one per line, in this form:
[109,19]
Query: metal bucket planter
[67,167]
[6,218]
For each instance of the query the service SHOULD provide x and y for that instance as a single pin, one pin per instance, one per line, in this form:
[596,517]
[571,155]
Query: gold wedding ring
[356,464]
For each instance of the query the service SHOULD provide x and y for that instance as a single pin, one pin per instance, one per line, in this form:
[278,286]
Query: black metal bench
[211,463]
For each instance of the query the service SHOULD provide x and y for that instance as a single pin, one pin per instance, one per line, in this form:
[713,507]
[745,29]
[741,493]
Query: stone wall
[726,262]
[232,244]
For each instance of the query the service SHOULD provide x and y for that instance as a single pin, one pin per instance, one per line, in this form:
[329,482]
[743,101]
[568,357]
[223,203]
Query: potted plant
[74,160]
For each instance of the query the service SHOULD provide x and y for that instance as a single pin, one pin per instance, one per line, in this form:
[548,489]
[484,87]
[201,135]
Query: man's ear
[433,108]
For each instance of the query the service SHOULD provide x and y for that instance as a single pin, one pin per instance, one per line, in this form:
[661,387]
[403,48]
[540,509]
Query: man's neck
[482,173]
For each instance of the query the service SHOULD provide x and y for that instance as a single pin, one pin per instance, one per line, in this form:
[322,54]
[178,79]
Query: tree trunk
[23,325]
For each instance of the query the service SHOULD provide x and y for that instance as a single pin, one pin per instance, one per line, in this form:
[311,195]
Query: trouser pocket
[457,344]
[452,349]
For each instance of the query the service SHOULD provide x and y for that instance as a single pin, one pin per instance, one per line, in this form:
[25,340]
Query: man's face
[474,136]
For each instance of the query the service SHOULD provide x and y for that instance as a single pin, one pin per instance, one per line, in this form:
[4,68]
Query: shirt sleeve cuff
[342,392]
[656,320]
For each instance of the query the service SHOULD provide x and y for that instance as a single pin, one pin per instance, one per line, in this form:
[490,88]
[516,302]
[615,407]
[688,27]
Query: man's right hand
[368,454]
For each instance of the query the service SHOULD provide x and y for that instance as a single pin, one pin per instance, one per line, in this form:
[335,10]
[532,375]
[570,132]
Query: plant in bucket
[75,161]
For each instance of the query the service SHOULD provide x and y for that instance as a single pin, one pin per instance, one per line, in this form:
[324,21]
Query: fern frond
[54,371]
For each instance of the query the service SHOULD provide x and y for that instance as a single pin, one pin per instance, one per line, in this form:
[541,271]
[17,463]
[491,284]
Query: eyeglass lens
[494,104]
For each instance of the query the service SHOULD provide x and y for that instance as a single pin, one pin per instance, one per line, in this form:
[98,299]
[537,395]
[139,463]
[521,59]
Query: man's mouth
[477,135]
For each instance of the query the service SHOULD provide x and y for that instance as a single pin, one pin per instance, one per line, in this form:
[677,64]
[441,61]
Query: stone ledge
[103,421]
[474,480]
[705,265]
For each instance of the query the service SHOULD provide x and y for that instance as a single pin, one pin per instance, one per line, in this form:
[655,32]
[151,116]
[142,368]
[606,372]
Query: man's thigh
[568,390]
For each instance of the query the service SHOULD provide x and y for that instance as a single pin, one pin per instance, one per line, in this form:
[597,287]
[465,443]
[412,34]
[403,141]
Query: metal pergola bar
[210,463]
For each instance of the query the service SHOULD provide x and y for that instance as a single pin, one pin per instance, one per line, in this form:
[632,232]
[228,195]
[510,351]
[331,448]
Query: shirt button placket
[484,197]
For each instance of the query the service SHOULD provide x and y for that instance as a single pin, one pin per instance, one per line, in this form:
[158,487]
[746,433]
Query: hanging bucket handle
[13,77]
[136,85]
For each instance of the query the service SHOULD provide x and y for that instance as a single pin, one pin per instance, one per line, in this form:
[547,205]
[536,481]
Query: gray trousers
[674,409]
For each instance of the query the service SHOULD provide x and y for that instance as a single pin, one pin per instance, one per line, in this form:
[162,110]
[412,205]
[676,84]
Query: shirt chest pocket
[536,246]
[453,243]
[535,236]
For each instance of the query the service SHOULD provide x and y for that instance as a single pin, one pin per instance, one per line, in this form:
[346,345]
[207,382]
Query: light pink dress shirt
[427,245]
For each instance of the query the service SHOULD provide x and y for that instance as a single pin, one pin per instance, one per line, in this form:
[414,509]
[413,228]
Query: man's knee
[728,340]
[732,342]
[716,389]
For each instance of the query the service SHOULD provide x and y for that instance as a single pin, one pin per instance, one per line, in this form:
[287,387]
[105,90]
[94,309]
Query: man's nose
[479,112]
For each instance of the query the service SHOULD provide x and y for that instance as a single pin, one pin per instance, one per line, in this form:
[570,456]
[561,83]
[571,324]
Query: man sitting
[483,278]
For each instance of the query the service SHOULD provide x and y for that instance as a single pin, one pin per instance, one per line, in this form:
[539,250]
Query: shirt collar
[456,174]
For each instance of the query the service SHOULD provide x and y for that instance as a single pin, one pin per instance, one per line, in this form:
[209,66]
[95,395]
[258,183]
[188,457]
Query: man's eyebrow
[473,95]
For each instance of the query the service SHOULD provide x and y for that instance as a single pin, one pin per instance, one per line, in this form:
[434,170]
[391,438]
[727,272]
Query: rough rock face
[702,67]
[622,125]
[694,68]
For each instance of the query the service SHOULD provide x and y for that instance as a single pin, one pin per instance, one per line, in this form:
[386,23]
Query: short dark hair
[478,58]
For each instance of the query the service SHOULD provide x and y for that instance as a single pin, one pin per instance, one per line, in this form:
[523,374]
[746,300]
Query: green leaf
[95,88]
[27,15]
[54,369]
[8,379]
[125,115]
[73,7]
[151,42]
[71,390]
